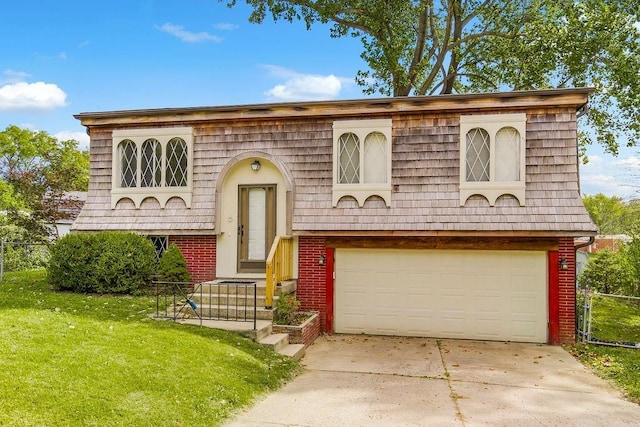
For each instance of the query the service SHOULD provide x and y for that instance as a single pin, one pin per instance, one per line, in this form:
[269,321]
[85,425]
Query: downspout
[575,258]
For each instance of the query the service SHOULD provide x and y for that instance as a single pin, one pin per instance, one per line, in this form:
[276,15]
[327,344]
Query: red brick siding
[312,289]
[567,292]
[200,254]
[304,334]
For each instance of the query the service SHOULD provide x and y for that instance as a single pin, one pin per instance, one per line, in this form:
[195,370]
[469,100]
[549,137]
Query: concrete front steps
[216,300]
[224,299]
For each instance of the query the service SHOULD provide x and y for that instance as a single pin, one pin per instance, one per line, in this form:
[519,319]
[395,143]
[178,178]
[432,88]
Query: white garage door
[488,295]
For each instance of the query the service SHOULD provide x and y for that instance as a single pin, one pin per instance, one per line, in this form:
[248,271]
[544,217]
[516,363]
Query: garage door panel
[497,295]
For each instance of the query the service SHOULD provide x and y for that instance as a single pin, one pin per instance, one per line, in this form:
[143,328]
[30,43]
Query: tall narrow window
[477,155]
[375,158]
[492,156]
[177,162]
[362,160]
[349,146]
[128,155]
[507,154]
[151,163]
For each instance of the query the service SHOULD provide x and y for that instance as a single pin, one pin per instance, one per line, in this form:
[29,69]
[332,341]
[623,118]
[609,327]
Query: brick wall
[312,290]
[567,292]
[200,254]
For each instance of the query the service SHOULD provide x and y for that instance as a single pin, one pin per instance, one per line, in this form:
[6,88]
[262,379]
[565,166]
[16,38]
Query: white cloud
[81,137]
[303,87]
[225,26]
[188,36]
[31,96]
[611,176]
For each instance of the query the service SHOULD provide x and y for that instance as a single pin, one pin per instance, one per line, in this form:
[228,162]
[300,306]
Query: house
[441,216]
[69,208]
[587,246]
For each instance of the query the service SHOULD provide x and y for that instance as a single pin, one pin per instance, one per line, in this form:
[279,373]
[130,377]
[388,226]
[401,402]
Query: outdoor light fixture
[255,166]
[564,265]
[322,260]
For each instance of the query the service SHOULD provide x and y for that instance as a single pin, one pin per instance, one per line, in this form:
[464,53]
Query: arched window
[478,159]
[375,158]
[492,156]
[507,154]
[177,163]
[349,149]
[362,160]
[151,163]
[128,159]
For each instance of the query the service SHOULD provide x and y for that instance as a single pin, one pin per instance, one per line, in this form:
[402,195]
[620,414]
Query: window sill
[492,191]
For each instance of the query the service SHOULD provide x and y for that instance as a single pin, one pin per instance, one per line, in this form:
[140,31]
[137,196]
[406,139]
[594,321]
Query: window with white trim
[152,163]
[362,160]
[492,156]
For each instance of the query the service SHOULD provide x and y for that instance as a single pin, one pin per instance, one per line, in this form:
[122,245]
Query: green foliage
[172,266]
[431,47]
[105,262]
[607,272]
[631,253]
[19,256]
[79,360]
[37,170]
[615,319]
[612,214]
[285,309]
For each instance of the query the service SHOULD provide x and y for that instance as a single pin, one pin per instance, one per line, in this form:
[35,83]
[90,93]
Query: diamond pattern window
[492,156]
[128,156]
[176,163]
[362,160]
[152,163]
[478,155]
[349,146]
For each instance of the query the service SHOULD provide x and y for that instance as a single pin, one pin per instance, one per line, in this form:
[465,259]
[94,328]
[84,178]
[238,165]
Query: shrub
[607,272]
[286,308]
[172,266]
[104,262]
[20,253]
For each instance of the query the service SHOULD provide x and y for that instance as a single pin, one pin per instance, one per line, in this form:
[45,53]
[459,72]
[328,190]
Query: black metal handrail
[177,299]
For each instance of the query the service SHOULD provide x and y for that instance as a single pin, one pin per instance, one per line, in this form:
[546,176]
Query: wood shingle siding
[425,167]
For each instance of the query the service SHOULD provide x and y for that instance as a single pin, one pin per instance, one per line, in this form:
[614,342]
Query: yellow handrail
[279,265]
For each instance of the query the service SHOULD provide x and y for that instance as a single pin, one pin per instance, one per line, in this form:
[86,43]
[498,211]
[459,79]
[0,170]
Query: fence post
[584,316]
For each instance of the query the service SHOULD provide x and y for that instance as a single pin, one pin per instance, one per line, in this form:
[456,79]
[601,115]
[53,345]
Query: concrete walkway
[384,381]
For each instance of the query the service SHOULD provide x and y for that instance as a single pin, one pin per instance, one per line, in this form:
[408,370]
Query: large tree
[423,47]
[36,172]
[613,215]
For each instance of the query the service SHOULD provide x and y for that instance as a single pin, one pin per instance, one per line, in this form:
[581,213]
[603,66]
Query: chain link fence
[606,319]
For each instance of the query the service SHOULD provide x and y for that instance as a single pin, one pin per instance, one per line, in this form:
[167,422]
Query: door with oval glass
[256,226]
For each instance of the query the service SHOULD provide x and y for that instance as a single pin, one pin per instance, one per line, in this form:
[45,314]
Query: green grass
[614,320]
[70,359]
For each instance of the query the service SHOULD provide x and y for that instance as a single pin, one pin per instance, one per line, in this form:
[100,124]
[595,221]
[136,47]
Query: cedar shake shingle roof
[425,166]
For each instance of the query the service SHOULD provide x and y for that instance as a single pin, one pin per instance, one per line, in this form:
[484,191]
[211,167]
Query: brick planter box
[306,333]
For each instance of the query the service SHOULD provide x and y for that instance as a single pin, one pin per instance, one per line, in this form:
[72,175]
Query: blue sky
[62,57]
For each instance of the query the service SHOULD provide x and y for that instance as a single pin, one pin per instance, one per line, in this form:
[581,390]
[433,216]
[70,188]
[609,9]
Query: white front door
[256,225]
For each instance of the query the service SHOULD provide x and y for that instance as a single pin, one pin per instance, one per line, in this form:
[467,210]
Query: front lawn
[70,359]
[614,320]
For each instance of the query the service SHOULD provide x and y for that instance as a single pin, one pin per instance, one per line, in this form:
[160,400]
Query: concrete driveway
[384,381]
